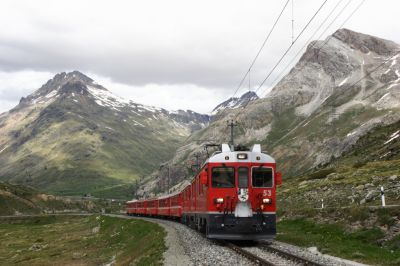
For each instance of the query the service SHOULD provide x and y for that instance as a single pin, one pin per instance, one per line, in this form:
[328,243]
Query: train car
[141,208]
[176,205]
[152,207]
[233,196]
[164,206]
[131,207]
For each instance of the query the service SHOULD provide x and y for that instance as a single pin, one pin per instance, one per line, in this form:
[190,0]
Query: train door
[243,207]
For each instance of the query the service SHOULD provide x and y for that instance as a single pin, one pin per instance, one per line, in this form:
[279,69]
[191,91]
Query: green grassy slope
[95,240]
[350,188]
[74,146]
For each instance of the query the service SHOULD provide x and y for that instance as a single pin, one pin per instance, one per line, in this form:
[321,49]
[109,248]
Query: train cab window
[243,177]
[223,177]
[262,177]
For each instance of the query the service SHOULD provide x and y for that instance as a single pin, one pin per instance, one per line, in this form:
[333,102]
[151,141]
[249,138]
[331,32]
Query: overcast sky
[172,54]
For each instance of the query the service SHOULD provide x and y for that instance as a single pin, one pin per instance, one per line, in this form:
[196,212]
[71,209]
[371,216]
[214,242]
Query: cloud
[166,45]
[168,96]
[15,85]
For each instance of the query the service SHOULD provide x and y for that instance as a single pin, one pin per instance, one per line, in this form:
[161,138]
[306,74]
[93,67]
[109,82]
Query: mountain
[73,136]
[235,102]
[318,110]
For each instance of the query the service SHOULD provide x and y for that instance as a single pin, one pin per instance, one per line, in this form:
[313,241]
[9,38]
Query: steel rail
[290,256]
[248,255]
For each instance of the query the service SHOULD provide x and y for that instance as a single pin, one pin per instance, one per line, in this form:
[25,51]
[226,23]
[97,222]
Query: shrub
[321,173]
[359,164]
[385,218]
[358,214]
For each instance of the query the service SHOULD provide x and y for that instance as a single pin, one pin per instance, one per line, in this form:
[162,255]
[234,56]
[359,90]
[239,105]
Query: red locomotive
[231,197]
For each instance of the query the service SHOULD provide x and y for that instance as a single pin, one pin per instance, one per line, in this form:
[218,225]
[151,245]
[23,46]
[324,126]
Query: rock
[368,185]
[358,255]
[363,201]
[313,250]
[332,176]
[78,255]
[303,183]
[360,187]
[371,195]
[96,229]
[392,178]
[35,247]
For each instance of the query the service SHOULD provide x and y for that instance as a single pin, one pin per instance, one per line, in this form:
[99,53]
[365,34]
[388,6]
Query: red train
[231,197]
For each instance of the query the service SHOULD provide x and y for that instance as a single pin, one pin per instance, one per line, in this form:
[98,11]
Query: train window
[262,177]
[243,177]
[223,177]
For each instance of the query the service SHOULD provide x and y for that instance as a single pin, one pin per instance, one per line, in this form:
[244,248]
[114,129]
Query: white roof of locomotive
[251,155]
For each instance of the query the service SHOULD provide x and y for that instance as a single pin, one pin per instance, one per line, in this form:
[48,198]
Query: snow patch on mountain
[394,136]
[235,102]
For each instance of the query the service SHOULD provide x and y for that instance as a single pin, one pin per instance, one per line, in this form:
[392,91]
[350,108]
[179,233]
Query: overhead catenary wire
[310,39]
[329,37]
[288,49]
[292,20]
[345,21]
[261,48]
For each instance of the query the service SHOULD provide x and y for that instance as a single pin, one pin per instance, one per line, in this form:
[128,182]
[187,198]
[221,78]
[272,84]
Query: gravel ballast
[186,246]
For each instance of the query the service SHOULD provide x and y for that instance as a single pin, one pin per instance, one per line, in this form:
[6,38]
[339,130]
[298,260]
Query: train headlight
[267,201]
[242,156]
[219,200]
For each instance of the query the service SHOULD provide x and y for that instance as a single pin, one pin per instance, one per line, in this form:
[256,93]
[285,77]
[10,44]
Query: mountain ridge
[73,136]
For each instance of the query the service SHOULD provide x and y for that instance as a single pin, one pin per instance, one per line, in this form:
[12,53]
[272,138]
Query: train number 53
[267,193]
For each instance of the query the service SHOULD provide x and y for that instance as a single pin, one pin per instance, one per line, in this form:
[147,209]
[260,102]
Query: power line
[262,46]
[292,21]
[287,50]
[309,39]
[290,47]
[347,19]
[328,38]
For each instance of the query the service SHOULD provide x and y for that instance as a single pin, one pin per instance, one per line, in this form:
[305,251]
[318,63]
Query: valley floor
[79,240]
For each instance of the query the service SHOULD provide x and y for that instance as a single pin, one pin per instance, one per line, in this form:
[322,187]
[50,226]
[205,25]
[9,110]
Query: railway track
[248,255]
[286,257]
[289,256]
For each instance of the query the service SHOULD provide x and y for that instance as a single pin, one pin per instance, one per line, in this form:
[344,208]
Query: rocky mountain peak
[235,102]
[61,84]
[74,86]
[366,43]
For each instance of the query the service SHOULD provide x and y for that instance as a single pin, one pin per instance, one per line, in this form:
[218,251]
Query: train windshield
[223,177]
[262,177]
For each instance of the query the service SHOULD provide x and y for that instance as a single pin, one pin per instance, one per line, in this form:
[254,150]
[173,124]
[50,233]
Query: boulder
[371,195]
[368,185]
[313,250]
[360,187]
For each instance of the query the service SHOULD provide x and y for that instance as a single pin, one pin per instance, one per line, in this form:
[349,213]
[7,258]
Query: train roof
[227,155]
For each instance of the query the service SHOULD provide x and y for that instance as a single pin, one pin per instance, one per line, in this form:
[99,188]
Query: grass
[333,239]
[94,240]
